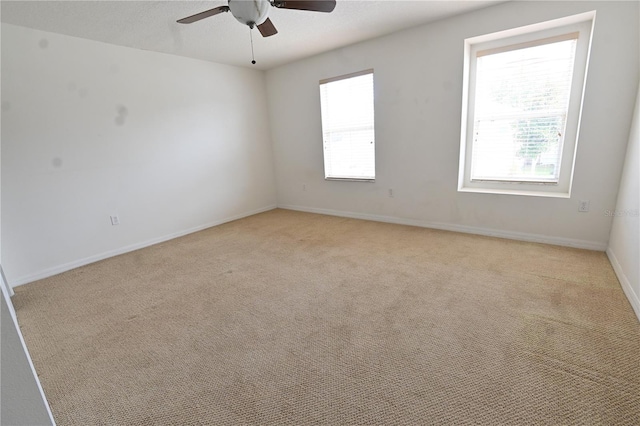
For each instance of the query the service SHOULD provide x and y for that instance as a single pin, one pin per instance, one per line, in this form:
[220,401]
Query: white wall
[624,244]
[169,144]
[418,89]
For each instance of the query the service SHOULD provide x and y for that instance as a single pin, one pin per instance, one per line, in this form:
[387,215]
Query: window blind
[348,126]
[521,104]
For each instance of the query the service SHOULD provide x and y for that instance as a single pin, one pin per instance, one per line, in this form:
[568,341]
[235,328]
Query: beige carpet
[289,318]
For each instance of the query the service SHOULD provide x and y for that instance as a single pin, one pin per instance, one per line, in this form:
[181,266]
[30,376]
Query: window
[348,126]
[521,108]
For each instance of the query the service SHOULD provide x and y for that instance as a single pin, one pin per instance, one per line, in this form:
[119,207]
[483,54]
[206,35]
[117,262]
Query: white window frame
[348,178]
[583,24]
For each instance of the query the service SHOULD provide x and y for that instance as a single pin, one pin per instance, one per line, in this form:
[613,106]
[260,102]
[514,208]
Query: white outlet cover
[583,206]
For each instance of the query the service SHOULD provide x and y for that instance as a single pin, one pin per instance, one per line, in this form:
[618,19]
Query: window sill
[349,179]
[521,192]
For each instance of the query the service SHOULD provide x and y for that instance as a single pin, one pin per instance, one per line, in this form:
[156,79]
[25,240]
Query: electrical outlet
[304,186]
[390,193]
[583,206]
[115,220]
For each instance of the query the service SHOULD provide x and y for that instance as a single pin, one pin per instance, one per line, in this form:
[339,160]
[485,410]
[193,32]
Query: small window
[522,106]
[348,127]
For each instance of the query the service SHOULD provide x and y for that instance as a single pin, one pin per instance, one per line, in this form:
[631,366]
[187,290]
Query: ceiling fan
[255,12]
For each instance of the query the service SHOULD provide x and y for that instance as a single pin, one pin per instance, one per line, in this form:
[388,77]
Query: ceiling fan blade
[267,29]
[312,5]
[202,15]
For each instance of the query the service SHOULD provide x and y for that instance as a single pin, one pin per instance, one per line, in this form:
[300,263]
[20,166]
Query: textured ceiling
[151,25]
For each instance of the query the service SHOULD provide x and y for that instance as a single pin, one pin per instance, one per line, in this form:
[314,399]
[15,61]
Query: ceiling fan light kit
[249,12]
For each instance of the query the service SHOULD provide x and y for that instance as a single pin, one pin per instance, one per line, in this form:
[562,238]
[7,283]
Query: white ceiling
[151,25]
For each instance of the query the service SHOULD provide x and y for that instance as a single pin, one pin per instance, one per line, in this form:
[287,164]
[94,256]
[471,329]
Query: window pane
[522,98]
[348,127]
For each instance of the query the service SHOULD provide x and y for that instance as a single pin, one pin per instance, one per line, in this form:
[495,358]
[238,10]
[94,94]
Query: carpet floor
[290,318]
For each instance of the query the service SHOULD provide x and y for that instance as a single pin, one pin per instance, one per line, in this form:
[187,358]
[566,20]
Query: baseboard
[590,245]
[95,258]
[520,236]
[634,299]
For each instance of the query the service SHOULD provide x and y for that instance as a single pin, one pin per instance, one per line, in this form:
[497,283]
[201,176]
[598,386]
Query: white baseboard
[590,245]
[634,299]
[511,235]
[95,258]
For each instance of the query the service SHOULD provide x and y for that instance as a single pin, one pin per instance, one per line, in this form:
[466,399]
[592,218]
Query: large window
[348,126]
[521,110]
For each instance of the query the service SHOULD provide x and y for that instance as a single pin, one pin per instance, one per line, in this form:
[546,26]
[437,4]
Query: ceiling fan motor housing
[250,12]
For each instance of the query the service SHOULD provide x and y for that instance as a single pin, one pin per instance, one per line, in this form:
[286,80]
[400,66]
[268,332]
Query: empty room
[318,212]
